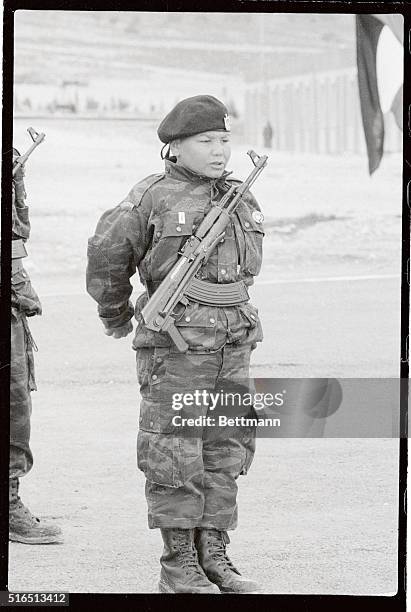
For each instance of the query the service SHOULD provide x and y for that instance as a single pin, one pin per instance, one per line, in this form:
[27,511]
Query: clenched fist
[120,332]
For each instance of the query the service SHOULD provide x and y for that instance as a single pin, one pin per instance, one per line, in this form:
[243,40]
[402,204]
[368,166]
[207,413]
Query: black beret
[193,116]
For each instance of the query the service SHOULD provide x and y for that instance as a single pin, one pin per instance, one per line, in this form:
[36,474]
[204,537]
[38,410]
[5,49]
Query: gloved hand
[120,332]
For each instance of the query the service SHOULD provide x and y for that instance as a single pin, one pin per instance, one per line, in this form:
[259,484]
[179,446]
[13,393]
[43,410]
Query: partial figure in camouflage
[191,470]
[24,527]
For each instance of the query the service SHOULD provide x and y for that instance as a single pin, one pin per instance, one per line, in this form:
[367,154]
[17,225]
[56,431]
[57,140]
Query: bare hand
[20,174]
[120,332]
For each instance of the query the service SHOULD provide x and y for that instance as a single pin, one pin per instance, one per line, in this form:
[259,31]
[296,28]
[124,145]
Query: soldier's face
[206,153]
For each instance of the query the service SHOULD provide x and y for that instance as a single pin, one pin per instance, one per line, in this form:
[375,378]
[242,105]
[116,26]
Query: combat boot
[211,546]
[180,570]
[23,526]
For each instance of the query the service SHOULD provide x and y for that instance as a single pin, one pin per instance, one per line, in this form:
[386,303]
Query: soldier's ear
[175,148]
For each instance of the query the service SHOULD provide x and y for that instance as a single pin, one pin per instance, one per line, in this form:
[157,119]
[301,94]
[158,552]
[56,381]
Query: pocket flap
[250,312]
[197,315]
[161,458]
[178,224]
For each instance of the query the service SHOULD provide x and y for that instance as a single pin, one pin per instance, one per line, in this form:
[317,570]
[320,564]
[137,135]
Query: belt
[211,294]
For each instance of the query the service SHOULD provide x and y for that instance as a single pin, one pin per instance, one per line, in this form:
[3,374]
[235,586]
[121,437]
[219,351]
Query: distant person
[268,134]
[191,480]
[24,527]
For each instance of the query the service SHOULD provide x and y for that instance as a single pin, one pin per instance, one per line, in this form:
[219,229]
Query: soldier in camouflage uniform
[191,483]
[23,526]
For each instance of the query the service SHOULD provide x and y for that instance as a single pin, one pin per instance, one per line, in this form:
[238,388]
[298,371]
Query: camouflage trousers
[22,382]
[191,472]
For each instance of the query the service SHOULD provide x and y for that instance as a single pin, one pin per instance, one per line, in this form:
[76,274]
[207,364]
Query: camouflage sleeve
[19,210]
[114,252]
[252,202]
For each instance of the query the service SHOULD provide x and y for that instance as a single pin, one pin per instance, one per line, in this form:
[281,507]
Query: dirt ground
[325,520]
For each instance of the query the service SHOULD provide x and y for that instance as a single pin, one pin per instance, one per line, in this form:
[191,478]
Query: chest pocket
[171,230]
[178,224]
[253,234]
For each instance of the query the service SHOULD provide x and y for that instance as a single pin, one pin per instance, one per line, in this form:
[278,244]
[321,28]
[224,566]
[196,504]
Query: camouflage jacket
[23,297]
[146,231]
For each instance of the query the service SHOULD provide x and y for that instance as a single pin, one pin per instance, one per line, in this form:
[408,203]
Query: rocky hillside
[51,46]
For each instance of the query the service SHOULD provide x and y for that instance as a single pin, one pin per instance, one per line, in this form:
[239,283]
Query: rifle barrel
[21,160]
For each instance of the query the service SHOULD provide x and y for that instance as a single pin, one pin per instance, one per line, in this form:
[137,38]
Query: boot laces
[29,513]
[26,511]
[217,546]
[16,503]
[14,491]
[188,554]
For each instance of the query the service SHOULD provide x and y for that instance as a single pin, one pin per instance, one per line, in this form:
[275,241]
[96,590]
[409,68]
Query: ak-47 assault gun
[169,301]
[21,159]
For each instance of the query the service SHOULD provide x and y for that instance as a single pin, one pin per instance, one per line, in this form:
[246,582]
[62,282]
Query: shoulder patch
[136,194]
[257,216]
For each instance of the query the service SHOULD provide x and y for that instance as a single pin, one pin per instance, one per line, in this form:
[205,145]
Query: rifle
[160,314]
[21,159]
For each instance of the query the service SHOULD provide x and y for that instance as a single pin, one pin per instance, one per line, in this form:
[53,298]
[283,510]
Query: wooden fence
[315,113]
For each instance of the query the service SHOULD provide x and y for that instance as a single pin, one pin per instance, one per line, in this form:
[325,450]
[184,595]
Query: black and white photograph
[205,233]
